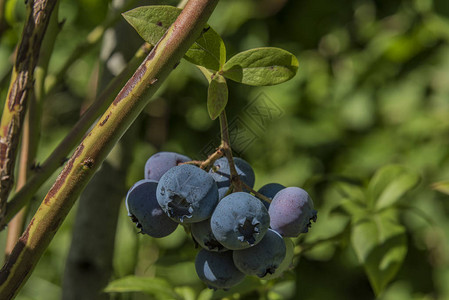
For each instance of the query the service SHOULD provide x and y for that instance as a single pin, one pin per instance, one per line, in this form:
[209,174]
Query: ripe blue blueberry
[286,263]
[239,221]
[270,190]
[263,258]
[202,233]
[217,269]
[144,210]
[291,212]
[161,162]
[187,194]
[221,173]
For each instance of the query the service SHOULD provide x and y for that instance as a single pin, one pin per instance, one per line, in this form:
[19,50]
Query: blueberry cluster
[239,234]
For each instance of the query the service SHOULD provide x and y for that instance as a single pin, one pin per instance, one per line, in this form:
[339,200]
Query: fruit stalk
[236,184]
[97,144]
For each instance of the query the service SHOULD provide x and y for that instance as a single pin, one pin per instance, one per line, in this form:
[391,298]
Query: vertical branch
[39,12]
[98,143]
[32,125]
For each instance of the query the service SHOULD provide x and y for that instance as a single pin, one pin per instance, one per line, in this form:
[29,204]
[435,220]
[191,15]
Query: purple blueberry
[161,162]
[263,258]
[217,269]
[270,190]
[202,233]
[239,221]
[187,194]
[291,212]
[221,173]
[145,211]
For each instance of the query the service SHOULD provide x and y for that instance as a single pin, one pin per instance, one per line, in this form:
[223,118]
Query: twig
[98,143]
[257,194]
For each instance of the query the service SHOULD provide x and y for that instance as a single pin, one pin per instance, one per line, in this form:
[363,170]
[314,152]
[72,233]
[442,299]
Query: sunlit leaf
[157,287]
[380,244]
[261,66]
[151,23]
[389,184]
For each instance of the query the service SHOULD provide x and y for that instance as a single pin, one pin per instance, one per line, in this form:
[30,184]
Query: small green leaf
[380,244]
[389,184]
[151,23]
[442,187]
[151,286]
[261,66]
[217,96]
[208,50]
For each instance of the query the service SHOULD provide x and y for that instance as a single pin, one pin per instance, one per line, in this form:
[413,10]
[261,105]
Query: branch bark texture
[38,17]
[93,149]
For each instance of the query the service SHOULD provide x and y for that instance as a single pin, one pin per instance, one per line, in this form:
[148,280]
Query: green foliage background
[372,89]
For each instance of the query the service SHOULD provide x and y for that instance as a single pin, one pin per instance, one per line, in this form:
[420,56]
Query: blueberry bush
[233,149]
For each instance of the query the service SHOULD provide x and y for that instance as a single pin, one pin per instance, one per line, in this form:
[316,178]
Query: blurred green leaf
[249,284]
[442,186]
[182,273]
[206,294]
[352,191]
[380,244]
[217,96]
[389,184]
[186,292]
[157,287]
[350,208]
[151,22]
[261,66]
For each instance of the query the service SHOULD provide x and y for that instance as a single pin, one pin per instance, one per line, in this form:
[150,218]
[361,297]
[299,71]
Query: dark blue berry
[270,190]
[221,173]
[217,269]
[263,258]
[187,194]
[202,233]
[145,211]
[239,221]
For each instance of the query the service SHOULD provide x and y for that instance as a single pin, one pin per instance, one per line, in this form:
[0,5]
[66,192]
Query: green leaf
[350,208]
[208,74]
[208,50]
[380,244]
[217,96]
[389,184]
[151,23]
[261,66]
[151,286]
[442,187]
